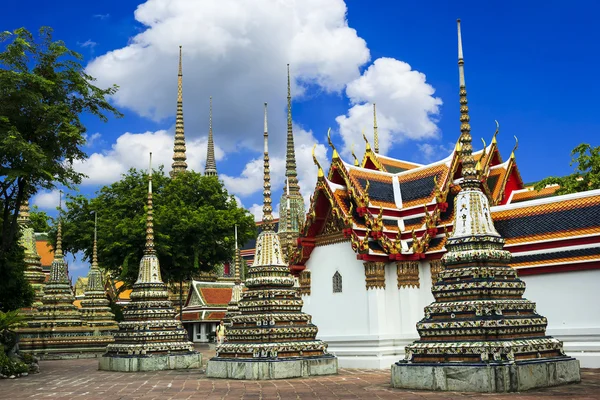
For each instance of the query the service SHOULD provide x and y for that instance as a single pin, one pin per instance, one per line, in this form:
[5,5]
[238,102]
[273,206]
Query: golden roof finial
[368,146]
[335,153]
[356,162]
[512,154]
[469,172]
[375,133]
[179,157]
[149,214]
[496,133]
[320,172]
[484,149]
[267,222]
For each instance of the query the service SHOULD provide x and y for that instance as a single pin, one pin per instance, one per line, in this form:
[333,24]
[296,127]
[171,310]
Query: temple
[291,205]
[371,245]
[480,334]
[149,338]
[56,329]
[271,338]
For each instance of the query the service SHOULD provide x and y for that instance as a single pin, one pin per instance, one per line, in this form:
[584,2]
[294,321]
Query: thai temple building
[57,330]
[371,247]
[291,206]
[480,334]
[95,310]
[150,338]
[271,338]
[33,272]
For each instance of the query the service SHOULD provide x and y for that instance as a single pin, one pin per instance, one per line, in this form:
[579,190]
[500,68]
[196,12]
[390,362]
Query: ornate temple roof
[207,301]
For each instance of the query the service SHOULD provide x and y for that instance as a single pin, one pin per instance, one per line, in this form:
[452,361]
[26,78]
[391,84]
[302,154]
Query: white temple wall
[345,313]
[571,303]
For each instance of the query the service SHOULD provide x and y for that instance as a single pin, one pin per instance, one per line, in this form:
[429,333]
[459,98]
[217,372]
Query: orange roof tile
[125,294]
[215,316]
[531,194]
[45,251]
[546,208]
[77,303]
[216,296]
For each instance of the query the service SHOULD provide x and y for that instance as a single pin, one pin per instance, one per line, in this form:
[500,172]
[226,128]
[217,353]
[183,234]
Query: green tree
[43,92]
[40,221]
[586,175]
[194,219]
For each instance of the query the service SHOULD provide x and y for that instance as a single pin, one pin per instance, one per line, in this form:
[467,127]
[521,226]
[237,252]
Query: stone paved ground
[80,379]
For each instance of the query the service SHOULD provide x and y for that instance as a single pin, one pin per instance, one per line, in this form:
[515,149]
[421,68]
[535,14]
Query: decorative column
[305,282]
[436,267]
[375,274]
[408,274]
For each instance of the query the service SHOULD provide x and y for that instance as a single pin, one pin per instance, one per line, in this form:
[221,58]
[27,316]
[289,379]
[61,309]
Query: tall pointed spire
[33,272]
[211,164]
[58,253]
[469,172]
[267,222]
[375,132]
[179,157]
[290,157]
[95,246]
[149,249]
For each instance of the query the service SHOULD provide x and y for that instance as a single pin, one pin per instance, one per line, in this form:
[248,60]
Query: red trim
[369,257]
[558,268]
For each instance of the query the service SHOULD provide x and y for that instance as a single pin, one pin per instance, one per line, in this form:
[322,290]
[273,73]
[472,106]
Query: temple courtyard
[80,379]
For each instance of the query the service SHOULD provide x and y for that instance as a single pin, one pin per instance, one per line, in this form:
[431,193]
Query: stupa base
[139,363]
[262,369]
[504,377]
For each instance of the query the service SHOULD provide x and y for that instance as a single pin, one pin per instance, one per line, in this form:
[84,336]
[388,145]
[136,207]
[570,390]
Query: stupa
[271,338]
[233,308]
[33,272]
[56,330]
[480,334]
[150,338]
[95,310]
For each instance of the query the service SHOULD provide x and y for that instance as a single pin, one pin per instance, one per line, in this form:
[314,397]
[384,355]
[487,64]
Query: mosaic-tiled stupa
[150,337]
[33,272]
[480,334]
[233,308]
[56,330]
[95,310]
[271,338]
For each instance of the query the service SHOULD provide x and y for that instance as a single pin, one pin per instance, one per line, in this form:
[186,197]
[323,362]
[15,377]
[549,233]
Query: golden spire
[512,154]
[469,172]
[367,146]
[149,250]
[320,173]
[267,222]
[238,264]
[496,132]
[58,253]
[210,168]
[375,133]
[179,157]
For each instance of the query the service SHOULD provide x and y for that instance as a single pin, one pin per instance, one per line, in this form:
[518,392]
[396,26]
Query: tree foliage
[586,175]
[43,92]
[194,219]
[40,221]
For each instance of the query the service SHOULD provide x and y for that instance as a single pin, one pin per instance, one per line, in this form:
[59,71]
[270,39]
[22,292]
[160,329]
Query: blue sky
[528,65]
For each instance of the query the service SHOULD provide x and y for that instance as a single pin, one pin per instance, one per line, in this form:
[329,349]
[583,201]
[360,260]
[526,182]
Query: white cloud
[46,200]
[131,150]
[88,43]
[90,140]
[433,152]
[235,51]
[406,107]
[257,211]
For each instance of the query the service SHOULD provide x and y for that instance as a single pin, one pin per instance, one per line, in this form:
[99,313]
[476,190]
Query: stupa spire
[267,222]
[58,253]
[469,171]
[179,157]
[33,271]
[95,246]
[210,168]
[290,156]
[375,132]
[149,250]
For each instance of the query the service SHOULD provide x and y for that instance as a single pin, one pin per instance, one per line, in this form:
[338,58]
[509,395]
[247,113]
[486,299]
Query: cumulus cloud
[131,150]
[237,52]
[406,106]
[47,200]
[433,152]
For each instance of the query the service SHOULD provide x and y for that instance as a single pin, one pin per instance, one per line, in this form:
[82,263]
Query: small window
[337,282]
